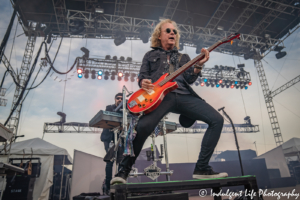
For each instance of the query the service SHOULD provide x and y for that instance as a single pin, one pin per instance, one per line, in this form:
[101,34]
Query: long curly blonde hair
[155,42]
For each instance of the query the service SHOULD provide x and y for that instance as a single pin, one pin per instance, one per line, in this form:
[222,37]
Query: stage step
[173,196]
[122,191]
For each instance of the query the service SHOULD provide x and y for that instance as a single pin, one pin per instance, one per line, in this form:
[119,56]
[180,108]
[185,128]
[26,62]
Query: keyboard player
[107,137]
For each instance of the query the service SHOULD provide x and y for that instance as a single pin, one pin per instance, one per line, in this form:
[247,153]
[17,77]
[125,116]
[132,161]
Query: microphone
[221,109]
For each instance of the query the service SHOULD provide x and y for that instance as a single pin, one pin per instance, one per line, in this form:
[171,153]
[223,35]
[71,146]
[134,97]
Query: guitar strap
[172,68]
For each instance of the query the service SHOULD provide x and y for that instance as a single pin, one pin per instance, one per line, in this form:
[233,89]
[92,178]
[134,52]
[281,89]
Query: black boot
[124,170]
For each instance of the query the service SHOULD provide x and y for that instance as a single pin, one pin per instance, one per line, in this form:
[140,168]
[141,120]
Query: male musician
[184,101]
[108,136]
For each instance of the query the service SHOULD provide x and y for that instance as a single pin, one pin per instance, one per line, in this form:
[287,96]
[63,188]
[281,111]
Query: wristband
[198,66]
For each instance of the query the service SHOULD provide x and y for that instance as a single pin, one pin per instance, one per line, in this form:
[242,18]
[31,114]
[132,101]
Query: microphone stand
[236,141]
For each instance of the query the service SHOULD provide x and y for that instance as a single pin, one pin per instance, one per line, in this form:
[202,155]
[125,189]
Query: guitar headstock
[231,37]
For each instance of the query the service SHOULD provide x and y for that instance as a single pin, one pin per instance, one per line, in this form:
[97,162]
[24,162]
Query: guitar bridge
[132,104]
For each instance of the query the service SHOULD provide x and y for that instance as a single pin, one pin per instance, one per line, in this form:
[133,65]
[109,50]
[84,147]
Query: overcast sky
[83,98]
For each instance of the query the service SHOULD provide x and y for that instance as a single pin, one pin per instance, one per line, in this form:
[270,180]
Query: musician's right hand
[147,84]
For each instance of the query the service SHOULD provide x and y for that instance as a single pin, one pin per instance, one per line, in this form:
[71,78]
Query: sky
[81,99]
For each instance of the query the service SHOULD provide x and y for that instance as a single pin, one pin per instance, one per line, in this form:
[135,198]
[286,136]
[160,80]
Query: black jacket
[154,63]
[107,135]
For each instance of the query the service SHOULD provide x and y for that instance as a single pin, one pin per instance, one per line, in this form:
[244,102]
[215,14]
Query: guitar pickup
[132,104]
[150,92]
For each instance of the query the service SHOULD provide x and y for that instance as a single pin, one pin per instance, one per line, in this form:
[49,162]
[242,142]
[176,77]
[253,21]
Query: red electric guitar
[146,101]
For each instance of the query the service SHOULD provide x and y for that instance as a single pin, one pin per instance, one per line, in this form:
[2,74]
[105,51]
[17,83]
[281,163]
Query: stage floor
[283,190]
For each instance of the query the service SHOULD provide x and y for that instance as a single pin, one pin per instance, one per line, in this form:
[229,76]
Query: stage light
[220,81]
[132,77]
[144,34]
[241,65]
[217,85]
[77,28]
[196,83]
[202,84]
[86,52]
[207,84]
[107,57]
[99,10]
[216,67]
[100,72]
[93,74]
[205,80]
[246,87]
[80,75]
[86,74]
[120,74]
[119,38]
[236,82]
[212,85]
[199,46]
[250,83]
[126,78]
[99,77]
[112,77]
[115,58]
[242,86]
[106,74]
[222,86]
[280,54]
[220,28]
[251,53]
[79,71]
[122,58]
[232,86]
[237,87]
[227,86]
[119,78]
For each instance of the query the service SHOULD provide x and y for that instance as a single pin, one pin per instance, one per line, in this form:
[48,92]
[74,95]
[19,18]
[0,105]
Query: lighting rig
[219,76]
[109,67]
[225,77]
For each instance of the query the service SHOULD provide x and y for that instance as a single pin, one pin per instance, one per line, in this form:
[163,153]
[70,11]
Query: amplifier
[19,188]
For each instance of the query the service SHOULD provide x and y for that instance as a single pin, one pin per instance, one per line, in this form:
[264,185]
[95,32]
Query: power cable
[25,84]
[46,52]
[62,109]
[240,90]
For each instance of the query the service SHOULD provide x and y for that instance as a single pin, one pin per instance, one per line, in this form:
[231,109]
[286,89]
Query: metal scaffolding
[219,13]
[120,7]
[284,87]
[170,9]
[130,26]
[197,128]
[227,128]
[70,127]
[269,102]
[211,74]
[13,122]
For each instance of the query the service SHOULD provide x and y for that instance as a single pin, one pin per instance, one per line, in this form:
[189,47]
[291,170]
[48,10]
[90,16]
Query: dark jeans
[192,107]
[108,168]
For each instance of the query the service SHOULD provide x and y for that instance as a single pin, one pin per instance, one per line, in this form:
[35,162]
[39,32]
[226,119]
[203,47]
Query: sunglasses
[118,98]
[168,30]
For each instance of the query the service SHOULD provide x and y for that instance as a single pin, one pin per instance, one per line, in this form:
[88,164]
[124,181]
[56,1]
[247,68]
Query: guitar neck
[188,65]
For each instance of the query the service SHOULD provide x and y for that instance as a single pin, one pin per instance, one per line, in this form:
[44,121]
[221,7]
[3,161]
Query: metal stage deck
[123,191]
